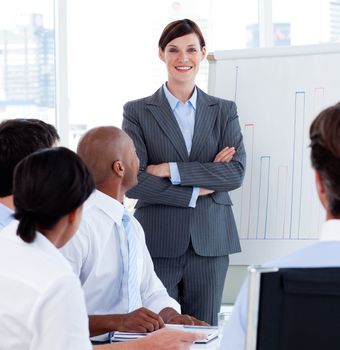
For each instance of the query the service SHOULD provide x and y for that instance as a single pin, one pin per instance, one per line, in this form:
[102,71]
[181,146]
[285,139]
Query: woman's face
[182,57]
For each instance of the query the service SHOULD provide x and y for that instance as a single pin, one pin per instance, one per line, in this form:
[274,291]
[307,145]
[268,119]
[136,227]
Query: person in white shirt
[100,251]
[325,157]
[19,138]
[42,305]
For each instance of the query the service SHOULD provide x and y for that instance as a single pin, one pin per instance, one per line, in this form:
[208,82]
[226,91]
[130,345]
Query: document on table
[211,332]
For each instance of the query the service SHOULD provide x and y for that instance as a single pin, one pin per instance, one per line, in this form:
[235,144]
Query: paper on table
[211,332]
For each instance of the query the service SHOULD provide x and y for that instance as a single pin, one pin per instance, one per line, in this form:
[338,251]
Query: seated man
[109,253]
[325,156]
[18,139]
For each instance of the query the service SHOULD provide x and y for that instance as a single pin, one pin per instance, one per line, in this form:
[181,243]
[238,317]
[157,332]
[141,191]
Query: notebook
[210,331]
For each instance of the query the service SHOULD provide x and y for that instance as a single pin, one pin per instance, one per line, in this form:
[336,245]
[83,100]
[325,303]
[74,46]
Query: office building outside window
[27,64]
[113,54]
[310,21]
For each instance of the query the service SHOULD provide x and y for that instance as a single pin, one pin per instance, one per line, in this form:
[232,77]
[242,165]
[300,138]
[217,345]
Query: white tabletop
[213,345]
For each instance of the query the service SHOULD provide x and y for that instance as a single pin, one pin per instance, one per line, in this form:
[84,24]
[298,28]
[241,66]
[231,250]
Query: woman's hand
[225,155]
[160,170]
[170,339]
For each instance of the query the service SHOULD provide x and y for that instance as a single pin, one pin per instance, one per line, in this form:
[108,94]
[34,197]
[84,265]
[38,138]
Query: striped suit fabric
[171,228]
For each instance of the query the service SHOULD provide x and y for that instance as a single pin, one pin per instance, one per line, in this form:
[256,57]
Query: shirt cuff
[175,177]
[194,196]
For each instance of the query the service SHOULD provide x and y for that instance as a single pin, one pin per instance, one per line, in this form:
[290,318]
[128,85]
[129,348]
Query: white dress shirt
[98,254]
[41,303]
[324,253]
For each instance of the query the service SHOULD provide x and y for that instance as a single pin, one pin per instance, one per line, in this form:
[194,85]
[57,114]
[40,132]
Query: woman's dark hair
[177,29]
[325,153]
[48,185]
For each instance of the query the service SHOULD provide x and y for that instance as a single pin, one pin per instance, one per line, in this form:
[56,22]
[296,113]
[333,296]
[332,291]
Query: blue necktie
[133,286]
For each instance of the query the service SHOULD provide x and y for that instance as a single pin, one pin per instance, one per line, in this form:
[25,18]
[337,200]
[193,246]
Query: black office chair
[294,309]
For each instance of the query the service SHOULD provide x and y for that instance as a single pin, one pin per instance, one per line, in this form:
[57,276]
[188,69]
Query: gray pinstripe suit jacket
[162,208]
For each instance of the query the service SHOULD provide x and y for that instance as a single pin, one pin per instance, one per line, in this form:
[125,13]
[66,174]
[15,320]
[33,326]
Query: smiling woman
[186,142]
[182,57]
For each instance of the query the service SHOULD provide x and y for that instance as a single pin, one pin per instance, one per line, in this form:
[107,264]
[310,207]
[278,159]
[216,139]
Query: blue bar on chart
[263,195]
[281,203]
[298,151]
[246,191]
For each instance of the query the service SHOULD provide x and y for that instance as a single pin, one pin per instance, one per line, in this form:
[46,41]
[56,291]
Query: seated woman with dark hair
[41,304]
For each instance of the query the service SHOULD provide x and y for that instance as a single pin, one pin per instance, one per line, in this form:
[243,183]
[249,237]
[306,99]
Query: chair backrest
[294,309]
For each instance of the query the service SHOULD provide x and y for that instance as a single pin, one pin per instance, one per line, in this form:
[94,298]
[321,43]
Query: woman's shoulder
[40,263]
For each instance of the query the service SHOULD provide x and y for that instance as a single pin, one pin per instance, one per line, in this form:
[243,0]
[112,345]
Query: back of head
[100,147]
[48,185]
[325,153]
[179,28]
[18,139]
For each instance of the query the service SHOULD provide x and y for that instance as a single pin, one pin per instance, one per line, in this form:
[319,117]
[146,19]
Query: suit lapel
[206,114]
[160,109]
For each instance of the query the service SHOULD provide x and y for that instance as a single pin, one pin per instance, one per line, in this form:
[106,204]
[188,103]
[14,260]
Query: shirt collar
[174,101]
[330,230]
[107,204]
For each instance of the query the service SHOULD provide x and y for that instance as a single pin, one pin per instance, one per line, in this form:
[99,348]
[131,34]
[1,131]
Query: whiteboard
[278,92]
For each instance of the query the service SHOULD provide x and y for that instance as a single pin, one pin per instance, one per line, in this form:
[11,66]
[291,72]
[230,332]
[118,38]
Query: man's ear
[319,183]
[118,168]
[321,189]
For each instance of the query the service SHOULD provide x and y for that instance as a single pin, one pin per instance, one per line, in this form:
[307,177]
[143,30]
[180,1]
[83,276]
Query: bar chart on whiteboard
[277,97]
[278,199]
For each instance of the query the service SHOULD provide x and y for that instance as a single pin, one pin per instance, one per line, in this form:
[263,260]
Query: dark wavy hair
[48,185]
[18,139]
[325,153]
[179,28]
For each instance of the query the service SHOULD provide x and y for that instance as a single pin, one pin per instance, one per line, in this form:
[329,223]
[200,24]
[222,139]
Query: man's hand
[170,315]
[160,170]
[187,319]
[225,155]
[140,320]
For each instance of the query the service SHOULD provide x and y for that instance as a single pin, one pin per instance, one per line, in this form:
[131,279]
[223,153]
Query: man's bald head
[100,147]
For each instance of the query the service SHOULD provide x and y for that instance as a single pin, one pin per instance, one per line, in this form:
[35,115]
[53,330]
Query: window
[306,22]
[27,68]
[113,52]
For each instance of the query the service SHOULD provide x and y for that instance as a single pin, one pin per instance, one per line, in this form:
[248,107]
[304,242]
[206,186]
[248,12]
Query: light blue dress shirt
[6,216]
[185,117]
